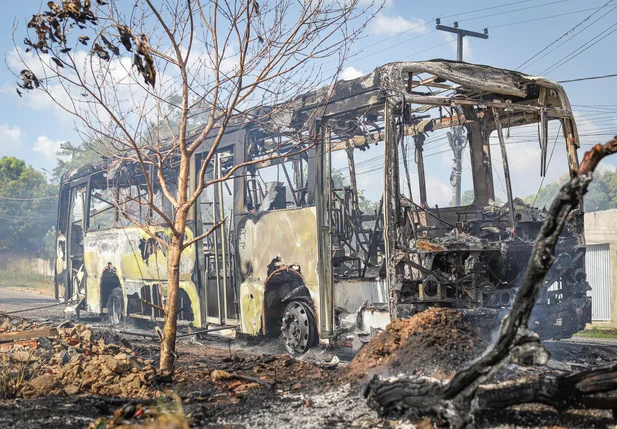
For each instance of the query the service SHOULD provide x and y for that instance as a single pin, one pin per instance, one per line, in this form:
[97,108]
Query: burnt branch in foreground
[454,400]
[562,391]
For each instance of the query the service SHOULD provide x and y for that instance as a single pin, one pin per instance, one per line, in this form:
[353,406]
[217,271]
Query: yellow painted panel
[191,290]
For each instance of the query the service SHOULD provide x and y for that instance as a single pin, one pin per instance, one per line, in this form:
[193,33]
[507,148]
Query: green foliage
[546,195]
[596,332]
[49,244]
[28,205]
[365,205]
[467,197]
[601,195]
[71,157]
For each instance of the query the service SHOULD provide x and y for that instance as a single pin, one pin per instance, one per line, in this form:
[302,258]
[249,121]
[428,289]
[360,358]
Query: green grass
[598,333]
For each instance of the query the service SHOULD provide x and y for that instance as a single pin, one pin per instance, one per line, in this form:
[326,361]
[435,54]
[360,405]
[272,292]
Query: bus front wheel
[299,327]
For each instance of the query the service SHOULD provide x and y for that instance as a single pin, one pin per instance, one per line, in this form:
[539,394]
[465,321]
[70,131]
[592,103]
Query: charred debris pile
[434,342]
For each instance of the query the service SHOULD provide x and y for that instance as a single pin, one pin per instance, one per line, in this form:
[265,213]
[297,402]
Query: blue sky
[32,129]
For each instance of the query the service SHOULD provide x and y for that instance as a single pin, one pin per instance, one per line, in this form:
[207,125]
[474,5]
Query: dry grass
[13,377]
[595,332]
[164,415]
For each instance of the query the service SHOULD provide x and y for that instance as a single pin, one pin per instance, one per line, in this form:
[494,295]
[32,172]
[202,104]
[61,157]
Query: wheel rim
[296,328]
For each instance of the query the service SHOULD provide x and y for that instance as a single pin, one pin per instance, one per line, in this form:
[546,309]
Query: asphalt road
[14,300]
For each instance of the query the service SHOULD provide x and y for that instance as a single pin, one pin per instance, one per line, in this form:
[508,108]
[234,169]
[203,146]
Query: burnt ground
[306,393]
[309,392]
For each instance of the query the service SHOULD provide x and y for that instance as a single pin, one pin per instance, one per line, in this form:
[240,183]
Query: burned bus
[301,256]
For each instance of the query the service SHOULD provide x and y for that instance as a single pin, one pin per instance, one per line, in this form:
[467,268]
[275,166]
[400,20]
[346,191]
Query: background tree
[467,197]
[27,206]
[602,193]
[115,66]
[71,156]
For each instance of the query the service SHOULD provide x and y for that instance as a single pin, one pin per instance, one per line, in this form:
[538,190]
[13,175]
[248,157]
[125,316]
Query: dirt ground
[304,394]
[233,384]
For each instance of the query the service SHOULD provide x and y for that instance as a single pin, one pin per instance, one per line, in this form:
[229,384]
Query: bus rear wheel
[115,306]
[299,327]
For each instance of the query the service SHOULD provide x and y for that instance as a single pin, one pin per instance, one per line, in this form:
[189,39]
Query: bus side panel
[137,260]
[262,237]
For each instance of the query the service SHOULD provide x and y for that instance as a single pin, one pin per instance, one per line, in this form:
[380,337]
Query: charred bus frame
[298,255]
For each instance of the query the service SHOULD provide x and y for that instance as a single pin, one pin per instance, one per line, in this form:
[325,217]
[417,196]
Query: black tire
[299,327]
[115,307]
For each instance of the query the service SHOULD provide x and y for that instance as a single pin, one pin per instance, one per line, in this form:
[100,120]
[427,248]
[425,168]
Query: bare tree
[123,69]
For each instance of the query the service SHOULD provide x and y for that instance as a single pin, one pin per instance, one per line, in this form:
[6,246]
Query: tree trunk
[174,254]
[168,345]
[578,390]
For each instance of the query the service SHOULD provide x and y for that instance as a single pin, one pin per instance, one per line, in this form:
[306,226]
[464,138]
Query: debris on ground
[224,386]
[434,342]
[163,415]
[70,360]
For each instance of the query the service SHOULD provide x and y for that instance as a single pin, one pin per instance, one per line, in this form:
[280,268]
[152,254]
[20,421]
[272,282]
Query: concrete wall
[25,264]
[601,228]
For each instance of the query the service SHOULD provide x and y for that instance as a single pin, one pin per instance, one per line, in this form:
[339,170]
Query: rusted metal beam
[506,169]
[451,101]
[480,153]
[323,200]
[419,142]
[409,130]
[391,202]
[352,180]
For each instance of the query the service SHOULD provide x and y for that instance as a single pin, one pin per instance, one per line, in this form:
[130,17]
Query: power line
[485,9]
[426,24]
[573,36]
[564,34]
[32,220]
[574,12]
[356,54]
[514,10]
[587,78]
[585,46]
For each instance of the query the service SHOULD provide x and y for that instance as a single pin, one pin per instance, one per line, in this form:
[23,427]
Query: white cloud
[383,25]
[350,73]
[10,138]
[47,147]
[437,192]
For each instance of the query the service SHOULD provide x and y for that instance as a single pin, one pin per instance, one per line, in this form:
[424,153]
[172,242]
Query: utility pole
[455,138]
